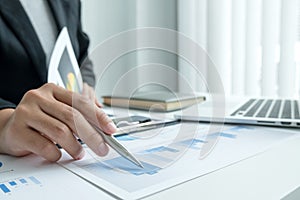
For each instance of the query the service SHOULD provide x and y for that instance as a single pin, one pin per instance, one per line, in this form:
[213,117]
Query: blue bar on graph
[239,128]
[23,181]
[161,149]
[33,179]
[125,165]
[125,137]
[4,188]
[228,135]
[12,183]
[192,143]
[223,134]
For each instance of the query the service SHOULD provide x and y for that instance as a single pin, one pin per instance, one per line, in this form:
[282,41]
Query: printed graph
[155,158]
[230,133]
[10,186]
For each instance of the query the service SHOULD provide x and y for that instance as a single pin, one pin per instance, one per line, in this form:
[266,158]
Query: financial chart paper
[170,157]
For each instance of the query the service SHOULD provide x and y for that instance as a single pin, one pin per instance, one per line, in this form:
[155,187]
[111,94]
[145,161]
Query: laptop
[241,110]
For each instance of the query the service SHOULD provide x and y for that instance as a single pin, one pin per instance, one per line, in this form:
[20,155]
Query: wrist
[5,115]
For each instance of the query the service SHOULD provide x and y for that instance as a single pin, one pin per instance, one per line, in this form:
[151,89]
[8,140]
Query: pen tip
[141,165]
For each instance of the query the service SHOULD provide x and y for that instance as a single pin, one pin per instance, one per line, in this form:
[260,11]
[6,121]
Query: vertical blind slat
[253,47]
[253,43]
[288,29]
[187,25]
[219,41]
[201,39]
[270,40]
[297,51]
[238,46]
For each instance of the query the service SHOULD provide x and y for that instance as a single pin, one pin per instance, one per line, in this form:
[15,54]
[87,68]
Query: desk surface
[269,175]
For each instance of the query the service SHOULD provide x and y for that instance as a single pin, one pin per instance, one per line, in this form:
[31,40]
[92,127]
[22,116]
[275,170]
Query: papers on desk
[170,160]
[32,177]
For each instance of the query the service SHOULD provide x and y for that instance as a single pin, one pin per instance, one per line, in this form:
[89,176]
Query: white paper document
[32,177]
[170,159]
[63,67]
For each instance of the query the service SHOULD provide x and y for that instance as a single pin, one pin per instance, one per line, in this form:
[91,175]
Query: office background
[253,43]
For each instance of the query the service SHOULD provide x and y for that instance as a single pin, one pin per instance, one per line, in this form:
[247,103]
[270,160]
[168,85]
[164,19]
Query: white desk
[270,175]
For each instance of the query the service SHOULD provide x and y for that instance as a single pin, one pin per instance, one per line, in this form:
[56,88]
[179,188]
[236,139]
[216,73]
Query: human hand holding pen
[96,118]
[50,115]
[88,92]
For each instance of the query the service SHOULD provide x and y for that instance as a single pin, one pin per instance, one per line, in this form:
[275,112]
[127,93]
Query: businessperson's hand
[51,115]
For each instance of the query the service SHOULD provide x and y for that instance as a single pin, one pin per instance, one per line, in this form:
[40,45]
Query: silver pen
[118,147]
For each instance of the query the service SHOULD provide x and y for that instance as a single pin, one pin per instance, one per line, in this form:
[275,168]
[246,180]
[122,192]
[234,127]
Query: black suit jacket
[22,59]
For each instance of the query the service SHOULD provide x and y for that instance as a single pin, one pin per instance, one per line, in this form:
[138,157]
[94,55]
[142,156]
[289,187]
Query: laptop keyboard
[275,111]
[253,110]
[296,111]
[269,108]
[263,112]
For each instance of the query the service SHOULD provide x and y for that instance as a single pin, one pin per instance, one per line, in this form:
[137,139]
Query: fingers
[77,112]
[58,132]
[77,124]
[90,136]
[30,141]
[88,92]
[94,114]
[87,107]
[85,90]
[51,128]
[39,145]
[46,116]
[98,103]
[19,139]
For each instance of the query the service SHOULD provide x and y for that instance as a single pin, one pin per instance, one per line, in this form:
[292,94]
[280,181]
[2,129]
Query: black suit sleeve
[6,104]
[86,66]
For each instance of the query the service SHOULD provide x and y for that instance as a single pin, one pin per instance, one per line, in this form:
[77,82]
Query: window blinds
[255,44]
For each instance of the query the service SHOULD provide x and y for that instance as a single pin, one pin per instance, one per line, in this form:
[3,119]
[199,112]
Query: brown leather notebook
[156,101]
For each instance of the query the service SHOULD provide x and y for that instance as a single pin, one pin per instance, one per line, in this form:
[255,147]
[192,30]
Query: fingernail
[81,155]
[111,127]
[103,149]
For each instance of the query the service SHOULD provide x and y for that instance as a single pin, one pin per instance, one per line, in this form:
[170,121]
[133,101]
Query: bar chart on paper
[158,157]
[22,183]
[153,157]
[169,160]
[23,177]
[33,177]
